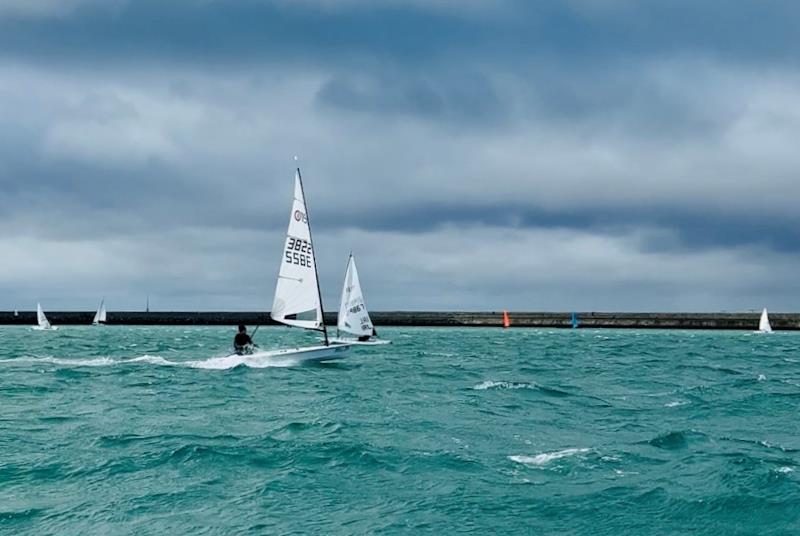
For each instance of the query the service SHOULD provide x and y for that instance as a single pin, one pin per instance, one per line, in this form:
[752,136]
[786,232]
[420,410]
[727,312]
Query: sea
[150,430]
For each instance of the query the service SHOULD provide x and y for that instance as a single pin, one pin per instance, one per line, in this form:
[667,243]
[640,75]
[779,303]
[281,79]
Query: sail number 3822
[298,251]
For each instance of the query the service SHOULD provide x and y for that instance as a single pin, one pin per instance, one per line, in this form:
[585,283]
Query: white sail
[297,301]
[763,324]
[40,318]
[100,315]
[353,315]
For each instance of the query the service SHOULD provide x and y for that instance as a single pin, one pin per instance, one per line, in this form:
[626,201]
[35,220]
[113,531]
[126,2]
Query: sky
[590,155]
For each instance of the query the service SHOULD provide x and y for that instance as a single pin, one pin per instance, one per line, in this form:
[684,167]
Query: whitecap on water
[547,457]
[96,362]
[153,360]
[260,360]
[488,384]
[676,403]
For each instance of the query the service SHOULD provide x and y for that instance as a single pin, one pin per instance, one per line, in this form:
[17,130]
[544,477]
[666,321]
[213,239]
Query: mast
[314,249]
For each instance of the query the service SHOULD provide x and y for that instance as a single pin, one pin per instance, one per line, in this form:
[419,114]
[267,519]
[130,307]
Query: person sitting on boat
[365,338]
[242,343]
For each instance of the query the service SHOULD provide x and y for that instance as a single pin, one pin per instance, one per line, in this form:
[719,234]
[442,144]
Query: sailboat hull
[308,354]
[41,328]
[354,342]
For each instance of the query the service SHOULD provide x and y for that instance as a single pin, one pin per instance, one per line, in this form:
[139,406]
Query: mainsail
[40,318]
[297,297]
[100,315]
[763,324]
[353,315]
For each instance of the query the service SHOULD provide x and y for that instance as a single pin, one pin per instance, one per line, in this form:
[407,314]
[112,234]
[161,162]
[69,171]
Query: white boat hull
[40,328]
[354,342]
[308,354]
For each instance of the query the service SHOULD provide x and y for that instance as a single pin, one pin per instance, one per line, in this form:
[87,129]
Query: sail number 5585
[298,251]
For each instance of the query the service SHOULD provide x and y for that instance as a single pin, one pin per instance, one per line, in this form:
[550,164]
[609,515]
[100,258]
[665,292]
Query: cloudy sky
[474,154]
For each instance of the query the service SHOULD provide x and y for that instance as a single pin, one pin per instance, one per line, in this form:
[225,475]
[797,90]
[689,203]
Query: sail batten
[353,316]
[297,300]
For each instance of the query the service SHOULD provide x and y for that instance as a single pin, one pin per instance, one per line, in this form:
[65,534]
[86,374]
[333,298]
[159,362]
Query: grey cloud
[567,161]
[457,99]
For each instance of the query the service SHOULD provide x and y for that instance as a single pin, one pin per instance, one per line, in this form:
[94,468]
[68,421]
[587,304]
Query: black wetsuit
[240,343]
[365,338]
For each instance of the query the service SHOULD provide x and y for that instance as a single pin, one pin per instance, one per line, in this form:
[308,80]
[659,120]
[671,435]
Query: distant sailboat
[100,315]
[41,319]
[574,321]
[353,316]
[763,324]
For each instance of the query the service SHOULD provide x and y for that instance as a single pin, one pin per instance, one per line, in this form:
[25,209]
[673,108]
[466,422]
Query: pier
[587,320]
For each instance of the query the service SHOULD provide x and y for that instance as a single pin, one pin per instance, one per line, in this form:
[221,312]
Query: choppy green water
[110,431]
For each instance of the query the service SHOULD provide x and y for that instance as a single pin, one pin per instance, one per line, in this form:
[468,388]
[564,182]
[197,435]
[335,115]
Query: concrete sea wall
[736,321]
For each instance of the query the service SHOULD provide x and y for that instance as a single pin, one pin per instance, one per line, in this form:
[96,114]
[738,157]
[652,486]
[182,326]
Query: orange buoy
[506,320]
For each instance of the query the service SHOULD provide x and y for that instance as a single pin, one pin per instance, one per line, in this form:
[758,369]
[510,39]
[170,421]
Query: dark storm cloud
[246,30]
[233,31]
[672,230]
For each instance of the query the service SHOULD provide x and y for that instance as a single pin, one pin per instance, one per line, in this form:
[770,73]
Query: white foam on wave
[488,384]
[785,470]
[153,360]
[547,457]
[259,360]
[676,403]
[96,362]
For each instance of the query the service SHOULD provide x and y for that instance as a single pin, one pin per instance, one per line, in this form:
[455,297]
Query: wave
[547,457]
[263,360]
[489,384]
[676,440]
[503,385]
[96,362]
[152,359]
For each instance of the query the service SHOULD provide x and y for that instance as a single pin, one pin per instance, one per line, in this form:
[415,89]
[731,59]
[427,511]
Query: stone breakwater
[586,320]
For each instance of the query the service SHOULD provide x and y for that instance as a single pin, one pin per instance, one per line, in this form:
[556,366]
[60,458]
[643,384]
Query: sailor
[365,338]
[242,343]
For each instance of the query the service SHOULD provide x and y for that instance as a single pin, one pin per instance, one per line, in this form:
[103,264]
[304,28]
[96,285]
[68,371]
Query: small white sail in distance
[100,315]
[41,319]
[763,324]
[353,316]
[297,298]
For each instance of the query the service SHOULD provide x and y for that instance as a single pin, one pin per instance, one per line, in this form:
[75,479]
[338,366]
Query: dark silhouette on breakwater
[731,321]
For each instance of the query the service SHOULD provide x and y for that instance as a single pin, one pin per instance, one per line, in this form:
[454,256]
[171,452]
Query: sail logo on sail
[299,252]
[299,216]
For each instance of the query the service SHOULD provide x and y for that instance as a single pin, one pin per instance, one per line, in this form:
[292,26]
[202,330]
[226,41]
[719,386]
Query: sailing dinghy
[100,315]
[763,324]
[353,316]
[42,323]
[298,300]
